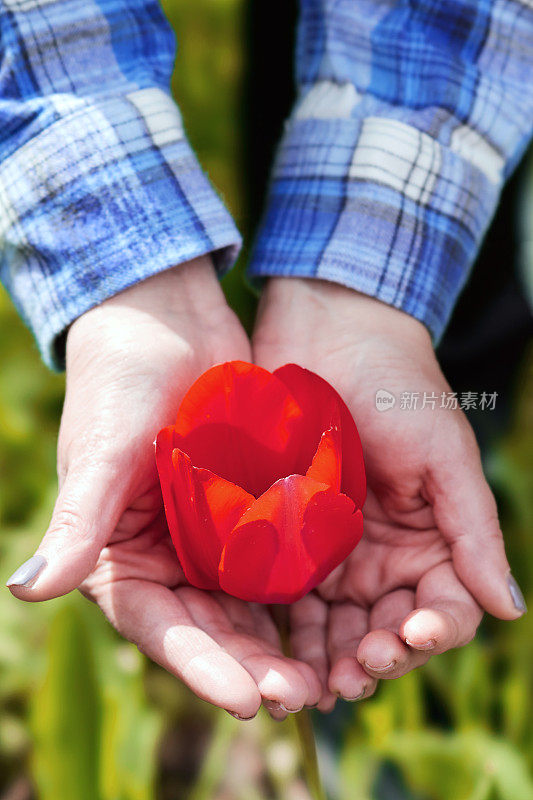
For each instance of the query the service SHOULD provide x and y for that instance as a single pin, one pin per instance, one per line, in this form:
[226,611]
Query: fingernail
[290,710]
[238,716]
[27,573]
[429,645]
[386,668]
[272,705]
[516,594]
[358,697]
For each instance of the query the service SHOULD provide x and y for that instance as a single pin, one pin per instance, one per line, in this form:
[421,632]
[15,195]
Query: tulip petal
[317,399]
[242,423]
[327,461]
[201,510]
[288,541]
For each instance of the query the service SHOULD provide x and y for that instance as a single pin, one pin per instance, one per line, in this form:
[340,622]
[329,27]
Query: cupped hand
[129,362]
[432,556]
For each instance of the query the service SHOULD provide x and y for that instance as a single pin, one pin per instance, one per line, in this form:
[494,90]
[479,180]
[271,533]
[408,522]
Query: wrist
[184,288]
[363,317]
[174,316]
[171,297]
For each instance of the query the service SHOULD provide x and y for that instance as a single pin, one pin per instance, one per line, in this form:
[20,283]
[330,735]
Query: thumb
[466,514]
[85,515]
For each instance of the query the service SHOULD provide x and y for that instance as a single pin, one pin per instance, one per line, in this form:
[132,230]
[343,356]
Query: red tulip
[263,481]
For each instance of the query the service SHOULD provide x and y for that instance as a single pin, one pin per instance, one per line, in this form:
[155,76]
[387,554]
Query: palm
[402,542]
[223,648]
[389,557]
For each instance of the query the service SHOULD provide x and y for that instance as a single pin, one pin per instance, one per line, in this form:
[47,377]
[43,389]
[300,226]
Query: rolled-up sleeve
[410,116]
[99,188]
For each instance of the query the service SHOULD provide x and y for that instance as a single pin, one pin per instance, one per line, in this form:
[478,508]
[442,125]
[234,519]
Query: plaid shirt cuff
[377,205]
[107,193]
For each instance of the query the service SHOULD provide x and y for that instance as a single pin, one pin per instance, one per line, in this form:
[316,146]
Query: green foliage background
[84,717]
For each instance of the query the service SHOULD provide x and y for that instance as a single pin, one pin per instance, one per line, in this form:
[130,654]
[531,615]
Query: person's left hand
[431,557]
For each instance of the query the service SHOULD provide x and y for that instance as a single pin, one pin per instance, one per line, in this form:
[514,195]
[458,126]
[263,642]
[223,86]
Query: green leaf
[460,766]
[358,768]
[66,714]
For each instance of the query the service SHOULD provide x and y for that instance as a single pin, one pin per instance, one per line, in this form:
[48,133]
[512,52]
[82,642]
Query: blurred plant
[94,733]
[84,715]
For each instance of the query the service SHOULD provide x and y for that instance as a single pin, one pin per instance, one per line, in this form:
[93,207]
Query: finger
[263,626]
[255,620]
[267,630]
[275,676]
[446,615]
[466,514]
[348,624]
[158,622]
[309,617]
[382,654]
[87,510]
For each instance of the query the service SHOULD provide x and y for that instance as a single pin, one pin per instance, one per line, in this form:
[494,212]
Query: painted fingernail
[27,573]
[516,594]
[429,645]
[238,716]
[385,668]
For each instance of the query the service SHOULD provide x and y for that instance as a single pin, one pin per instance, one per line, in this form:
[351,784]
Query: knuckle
[94,448]
[69,520]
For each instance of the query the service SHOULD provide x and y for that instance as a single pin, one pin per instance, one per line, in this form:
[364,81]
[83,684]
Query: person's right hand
[129,362]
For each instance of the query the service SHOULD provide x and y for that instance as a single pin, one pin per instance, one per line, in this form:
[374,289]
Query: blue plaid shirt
[411,114]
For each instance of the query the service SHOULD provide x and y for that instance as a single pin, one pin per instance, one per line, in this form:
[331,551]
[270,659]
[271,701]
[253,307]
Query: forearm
[409,119]
[99,188]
